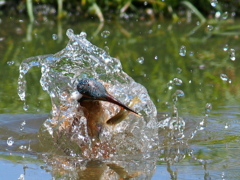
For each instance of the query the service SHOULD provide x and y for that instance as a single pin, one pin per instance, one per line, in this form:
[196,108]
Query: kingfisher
[92,93]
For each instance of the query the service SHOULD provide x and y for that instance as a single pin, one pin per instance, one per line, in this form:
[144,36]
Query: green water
[149,52]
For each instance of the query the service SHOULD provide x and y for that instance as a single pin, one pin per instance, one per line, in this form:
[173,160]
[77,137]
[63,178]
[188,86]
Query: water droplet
[177,81]
[21,177]
[179,93]
[140,60]
[105,34]
[224,77]
[209,27]
[190,81]
[225,15]
[159,26]
[170,85]
[226,126]
[191,53]
[70,33]
[22,125]
[217,14]
[232,54]
[179,70]
[208,108]
[225,48]
[10,63]
[54,37]
[10,141]
[214,3]
[156,57]
[182,51]
[25,106]
[83,34]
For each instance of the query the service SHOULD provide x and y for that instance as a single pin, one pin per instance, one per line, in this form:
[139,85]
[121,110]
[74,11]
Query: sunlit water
[197,139]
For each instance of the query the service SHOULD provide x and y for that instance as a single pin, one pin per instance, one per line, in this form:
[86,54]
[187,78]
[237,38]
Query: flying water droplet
[217,14]
[10,141]
[191,53]
[177,81]
[179,93]
[182,51]
[25,106]
[10,63]
[83,34]
[210,27]
[140,60]
[208,108]
[225,15]
[54,37]
[224,77]
[232,54]
[105,34]
[179,70]
[225,48]
[21,177]
[170,85]
[214,3]
[226,126]
[22,125]
[156,57]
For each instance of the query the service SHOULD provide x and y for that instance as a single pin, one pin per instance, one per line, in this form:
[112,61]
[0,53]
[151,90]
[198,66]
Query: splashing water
[60,75]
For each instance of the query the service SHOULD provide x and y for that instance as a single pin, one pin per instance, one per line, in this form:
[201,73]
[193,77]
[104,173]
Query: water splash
[60,75]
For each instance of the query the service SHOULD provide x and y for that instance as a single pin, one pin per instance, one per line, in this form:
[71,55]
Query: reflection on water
[201,145]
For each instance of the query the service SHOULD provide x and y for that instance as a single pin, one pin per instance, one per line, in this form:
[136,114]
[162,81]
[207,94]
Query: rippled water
[194,79]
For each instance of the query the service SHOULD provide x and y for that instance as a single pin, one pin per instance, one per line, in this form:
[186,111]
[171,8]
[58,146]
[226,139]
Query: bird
[91,89]
[92,93]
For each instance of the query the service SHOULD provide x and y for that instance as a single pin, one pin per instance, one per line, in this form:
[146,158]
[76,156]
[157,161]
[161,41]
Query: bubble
[10,141]
[105,34]
[225,48]
[54,37]
[182,51]
[140,60]
[213,3]
[224,77]
[232,54]
[177,81]
[209,27]
[10,63]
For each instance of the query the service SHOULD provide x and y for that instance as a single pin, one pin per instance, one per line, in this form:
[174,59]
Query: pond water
[189,70]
